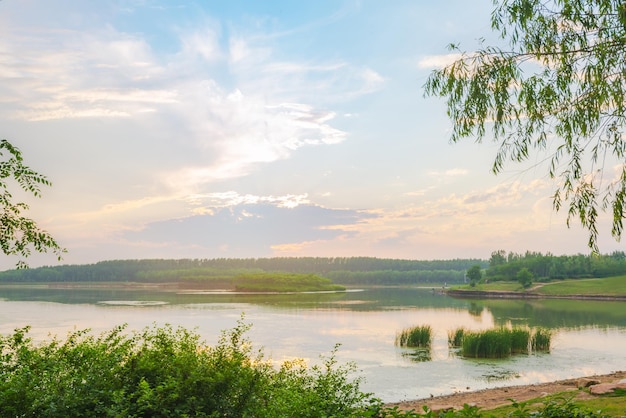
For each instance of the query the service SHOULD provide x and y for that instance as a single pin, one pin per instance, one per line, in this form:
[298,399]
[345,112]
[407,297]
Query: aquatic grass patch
[520,340]
[491,343]
[501,342]
[418,336]
[541,339]
[455,337]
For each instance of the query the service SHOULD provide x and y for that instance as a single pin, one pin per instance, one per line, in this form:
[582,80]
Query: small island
[284,283]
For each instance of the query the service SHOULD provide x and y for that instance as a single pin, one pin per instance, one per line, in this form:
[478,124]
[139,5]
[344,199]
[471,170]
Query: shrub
[166,372]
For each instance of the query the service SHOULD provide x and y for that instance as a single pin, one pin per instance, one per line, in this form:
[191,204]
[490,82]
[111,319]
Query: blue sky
[181,129]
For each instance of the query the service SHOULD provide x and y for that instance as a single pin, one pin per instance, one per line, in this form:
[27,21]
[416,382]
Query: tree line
[506,266]
[343,270]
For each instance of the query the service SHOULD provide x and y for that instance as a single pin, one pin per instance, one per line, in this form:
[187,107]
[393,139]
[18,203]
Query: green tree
[497,258]
[557,88]
[525,277]
[474,274]
[19,234]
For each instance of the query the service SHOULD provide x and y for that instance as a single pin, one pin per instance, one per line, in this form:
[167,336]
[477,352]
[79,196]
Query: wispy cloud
[453,172]
[437,61]
[228,131]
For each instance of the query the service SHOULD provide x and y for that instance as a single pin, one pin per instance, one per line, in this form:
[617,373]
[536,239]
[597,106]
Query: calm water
[590,337]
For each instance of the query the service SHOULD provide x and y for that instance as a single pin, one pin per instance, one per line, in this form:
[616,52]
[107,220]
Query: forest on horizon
[342,270]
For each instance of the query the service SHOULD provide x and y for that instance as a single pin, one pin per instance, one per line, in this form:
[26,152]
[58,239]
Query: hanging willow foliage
[557,87]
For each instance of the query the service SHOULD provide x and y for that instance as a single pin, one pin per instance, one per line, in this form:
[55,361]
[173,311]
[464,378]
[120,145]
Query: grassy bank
[564,404]
[604,287]
[613,286]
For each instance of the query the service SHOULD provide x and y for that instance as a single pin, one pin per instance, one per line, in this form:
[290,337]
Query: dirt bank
[492,398]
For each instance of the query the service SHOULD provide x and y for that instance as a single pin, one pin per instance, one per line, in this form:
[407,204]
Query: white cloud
[233,198]
[437,61]
[453,172]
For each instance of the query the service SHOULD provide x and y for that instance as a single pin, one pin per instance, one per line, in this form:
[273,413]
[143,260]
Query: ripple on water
[132,302]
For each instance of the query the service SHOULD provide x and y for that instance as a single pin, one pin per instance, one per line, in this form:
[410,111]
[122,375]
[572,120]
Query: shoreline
[495,294]
[487,399]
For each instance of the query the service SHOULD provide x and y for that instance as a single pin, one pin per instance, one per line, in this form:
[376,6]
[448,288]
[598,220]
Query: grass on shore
[491,287]
[612,286]
[608,286]
[564,404]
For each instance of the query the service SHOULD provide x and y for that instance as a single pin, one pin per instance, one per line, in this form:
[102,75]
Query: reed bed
[418,336]
[499,342]
[520,340]
[541,339]
[491,343]
[455,338]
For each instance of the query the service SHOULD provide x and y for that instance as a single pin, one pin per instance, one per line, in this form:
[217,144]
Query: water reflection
[588,337]
[556,313]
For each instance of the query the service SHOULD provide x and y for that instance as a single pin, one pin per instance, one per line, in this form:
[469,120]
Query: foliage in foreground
[166,372]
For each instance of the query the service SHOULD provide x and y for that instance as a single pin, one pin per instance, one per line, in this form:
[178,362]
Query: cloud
[437,61]
[453,172]
[233,198]
[222,120]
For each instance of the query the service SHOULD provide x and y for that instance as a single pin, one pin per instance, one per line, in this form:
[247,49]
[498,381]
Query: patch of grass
[611,286]
[520,340]
[283,282]
[493,287]
[540,340]
[499,342]
[455,338]
[418,336]
[562,404]
[491,343]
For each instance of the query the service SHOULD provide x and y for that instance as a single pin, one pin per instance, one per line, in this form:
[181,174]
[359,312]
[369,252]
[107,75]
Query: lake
[589,336]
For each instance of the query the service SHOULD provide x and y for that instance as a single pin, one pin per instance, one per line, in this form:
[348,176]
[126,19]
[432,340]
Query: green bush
[166,372]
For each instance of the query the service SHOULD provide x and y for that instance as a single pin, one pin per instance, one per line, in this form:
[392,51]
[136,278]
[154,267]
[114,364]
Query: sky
[211,129]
